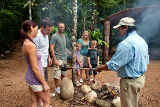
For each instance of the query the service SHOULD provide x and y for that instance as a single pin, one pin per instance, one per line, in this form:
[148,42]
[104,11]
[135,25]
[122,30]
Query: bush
[10,24]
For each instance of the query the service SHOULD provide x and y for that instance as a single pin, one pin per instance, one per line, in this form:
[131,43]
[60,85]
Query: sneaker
[78,83]
[57,90]
[81,80]
[41,105]
[91,79]
[87,79]
[53,94]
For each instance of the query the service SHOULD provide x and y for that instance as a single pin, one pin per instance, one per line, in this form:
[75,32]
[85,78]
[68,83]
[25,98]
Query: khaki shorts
[57,71]
[85,61]
[36,88]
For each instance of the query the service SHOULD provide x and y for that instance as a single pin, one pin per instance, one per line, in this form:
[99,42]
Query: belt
[131,77]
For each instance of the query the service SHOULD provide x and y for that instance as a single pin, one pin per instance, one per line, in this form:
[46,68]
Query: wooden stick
[76,68]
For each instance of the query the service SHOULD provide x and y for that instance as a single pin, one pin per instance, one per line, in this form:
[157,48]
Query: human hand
[107,59]
[69,52]
[49,62]
[90,66]
[46,87]
[56,62]
[81,65]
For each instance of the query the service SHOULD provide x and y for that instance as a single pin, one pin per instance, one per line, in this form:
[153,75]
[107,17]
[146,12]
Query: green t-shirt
[59,43]
[93,54]
[84,49]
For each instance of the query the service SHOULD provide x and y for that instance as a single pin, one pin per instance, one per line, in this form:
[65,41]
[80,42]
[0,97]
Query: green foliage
[108,3]
[12,14]
[90,13]
[9,27]
[54,29]
[97,35]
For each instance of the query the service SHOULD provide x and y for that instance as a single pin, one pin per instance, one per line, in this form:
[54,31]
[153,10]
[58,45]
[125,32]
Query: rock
[85,89]
[91,96]
[96,86]
[116,102]
[67,89]
[103,103]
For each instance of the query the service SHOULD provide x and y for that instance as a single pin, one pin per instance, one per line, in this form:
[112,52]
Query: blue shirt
[84,49]
[131,57]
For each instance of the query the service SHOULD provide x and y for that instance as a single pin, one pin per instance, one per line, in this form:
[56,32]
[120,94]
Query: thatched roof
[130,12]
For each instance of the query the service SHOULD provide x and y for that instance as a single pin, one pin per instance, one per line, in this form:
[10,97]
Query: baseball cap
[125,21]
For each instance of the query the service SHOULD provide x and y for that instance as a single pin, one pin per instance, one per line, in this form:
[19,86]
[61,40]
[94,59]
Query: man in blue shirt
[130,62]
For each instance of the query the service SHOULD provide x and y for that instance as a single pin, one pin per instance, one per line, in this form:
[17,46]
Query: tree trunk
[30,10]
[106,38]
[3,4]
[84,23]
[93,18]
[124,3]
[74,38]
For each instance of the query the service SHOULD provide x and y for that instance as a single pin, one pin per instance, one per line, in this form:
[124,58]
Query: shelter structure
[110,21]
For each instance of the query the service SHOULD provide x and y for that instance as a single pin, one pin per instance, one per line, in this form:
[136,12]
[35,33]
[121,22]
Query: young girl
[78,63]
[38,87]
[93,59]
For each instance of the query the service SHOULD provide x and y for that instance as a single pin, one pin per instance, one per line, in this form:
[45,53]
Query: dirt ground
[14,91]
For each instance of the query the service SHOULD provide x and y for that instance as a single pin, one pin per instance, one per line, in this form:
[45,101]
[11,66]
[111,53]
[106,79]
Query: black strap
[30,39]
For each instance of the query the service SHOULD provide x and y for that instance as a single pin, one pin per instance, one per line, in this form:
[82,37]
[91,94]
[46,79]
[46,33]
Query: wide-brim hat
[125,21]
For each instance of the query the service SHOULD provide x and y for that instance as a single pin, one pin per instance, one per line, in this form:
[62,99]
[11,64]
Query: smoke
[140,3]
[149,25]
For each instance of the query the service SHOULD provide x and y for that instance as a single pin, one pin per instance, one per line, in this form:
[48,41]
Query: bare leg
[39,100]
[81,73]
[87,75]
[45,96]
[33,98]
[78,75]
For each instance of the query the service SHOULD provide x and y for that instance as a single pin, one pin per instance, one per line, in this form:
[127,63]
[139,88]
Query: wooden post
[74,39]
[106,38]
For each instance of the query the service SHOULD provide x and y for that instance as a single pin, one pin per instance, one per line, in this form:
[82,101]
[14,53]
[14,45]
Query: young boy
[93,59]
[78,63]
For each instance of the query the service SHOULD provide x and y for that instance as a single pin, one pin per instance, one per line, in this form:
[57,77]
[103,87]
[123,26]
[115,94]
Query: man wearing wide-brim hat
[129,61]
